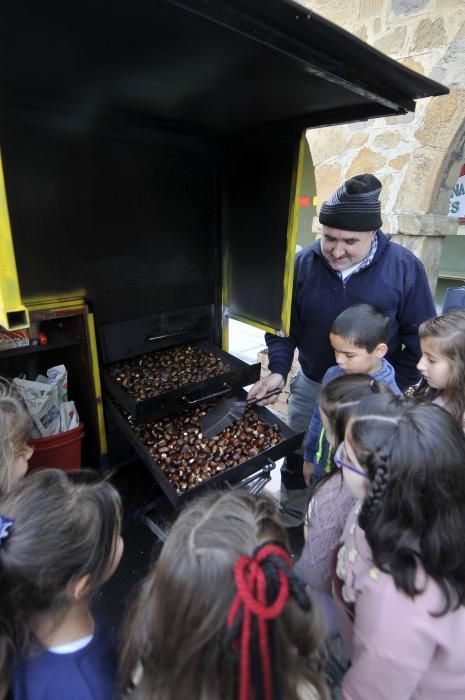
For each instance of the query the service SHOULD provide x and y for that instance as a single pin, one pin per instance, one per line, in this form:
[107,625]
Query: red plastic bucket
[62,451]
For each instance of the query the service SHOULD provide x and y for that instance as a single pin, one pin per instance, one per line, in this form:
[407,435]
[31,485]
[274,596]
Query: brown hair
[176,631]
[448,333]
[414,512]
[339,397]
[64,526]
[15,426]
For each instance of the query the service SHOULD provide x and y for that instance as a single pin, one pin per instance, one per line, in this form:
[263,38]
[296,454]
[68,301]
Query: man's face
[342,249]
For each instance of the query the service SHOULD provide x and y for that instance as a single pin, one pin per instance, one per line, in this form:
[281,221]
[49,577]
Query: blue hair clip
[5,524]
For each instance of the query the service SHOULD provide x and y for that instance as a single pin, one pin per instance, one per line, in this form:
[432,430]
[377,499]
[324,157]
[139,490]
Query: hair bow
[5,524]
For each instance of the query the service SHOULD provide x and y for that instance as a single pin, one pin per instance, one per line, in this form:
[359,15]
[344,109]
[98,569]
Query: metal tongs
[226,413]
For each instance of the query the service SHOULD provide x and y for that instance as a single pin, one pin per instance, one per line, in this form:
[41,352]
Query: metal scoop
[226,413]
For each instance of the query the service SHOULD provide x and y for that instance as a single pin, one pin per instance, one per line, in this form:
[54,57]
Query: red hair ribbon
[251,595]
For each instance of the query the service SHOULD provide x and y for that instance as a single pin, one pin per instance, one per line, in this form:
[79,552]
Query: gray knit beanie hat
[354,206]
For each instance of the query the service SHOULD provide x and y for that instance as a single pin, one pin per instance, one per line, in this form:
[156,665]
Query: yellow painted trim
[225,333]
[13,313]
[292,227]
[97,384]
[76,298]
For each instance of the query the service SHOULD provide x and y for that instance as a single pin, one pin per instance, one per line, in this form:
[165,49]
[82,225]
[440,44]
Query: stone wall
[416,156]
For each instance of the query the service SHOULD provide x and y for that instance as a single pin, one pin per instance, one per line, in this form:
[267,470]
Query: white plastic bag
[42,403]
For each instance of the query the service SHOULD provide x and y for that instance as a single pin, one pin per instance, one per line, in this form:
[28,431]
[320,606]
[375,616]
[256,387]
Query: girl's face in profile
[433,366]
[357,483]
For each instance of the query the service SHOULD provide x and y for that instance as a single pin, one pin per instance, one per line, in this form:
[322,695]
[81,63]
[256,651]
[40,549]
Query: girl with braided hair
[222,616]
[400,576]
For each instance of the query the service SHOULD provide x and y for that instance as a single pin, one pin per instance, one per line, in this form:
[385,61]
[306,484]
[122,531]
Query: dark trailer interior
[151,153]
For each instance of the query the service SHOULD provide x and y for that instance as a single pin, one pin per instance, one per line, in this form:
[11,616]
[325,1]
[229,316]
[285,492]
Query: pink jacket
[399,650]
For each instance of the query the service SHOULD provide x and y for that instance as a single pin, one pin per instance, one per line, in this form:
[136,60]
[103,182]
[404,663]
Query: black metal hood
[212,66]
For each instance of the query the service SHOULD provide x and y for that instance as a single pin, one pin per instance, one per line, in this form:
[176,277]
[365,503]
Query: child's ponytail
[378,465]
[265,582]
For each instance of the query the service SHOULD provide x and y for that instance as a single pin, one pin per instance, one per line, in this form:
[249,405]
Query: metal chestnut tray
[230,476]
[237,375]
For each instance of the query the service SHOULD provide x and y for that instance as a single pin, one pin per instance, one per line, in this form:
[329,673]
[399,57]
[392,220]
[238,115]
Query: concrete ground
[245,342]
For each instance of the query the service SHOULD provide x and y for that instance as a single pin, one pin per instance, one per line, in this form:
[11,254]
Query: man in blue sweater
[354,262]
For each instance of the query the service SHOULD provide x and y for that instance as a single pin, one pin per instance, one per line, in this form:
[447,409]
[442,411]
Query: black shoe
[296,538]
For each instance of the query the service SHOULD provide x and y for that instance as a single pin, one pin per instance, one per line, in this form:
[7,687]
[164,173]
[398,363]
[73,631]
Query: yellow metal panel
[292,238]
[97,384]
[13,313]
[49,303]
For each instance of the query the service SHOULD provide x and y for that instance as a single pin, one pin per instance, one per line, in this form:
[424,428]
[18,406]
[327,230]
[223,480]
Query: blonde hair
[176,630]
[15,427]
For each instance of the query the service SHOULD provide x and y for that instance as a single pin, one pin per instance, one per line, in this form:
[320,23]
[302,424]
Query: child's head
[339,397]
[442,362]
[185,629]
[15,426]
[359,337]
[413,458]
[59,542]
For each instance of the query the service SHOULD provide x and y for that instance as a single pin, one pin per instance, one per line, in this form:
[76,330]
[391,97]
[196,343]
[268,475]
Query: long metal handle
[222,392]
[258,480]
[152,338]
[255,400]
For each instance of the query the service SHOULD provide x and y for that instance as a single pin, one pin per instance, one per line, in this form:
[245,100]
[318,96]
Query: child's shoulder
[84,674]
[332,373]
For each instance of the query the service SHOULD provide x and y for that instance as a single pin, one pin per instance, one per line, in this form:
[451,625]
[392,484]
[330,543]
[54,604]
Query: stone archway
[416,156]
[422,204]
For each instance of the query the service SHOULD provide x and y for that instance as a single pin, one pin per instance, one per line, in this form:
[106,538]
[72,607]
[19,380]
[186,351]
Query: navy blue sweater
[395,281]
[87,674]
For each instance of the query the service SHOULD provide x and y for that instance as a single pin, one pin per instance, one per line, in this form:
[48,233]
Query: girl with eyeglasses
[400,576]
[332,500]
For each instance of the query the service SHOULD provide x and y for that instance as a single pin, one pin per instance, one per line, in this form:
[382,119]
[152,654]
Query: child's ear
[380,350]
[81,588]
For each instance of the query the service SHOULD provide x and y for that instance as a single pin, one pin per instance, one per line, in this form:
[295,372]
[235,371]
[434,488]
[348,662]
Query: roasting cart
[152,155]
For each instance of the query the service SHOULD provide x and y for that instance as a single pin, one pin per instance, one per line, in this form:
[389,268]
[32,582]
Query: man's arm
[418,306]
[280,351]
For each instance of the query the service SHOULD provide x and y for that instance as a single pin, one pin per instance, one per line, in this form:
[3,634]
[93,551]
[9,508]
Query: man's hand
[263,386]
[308,471]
